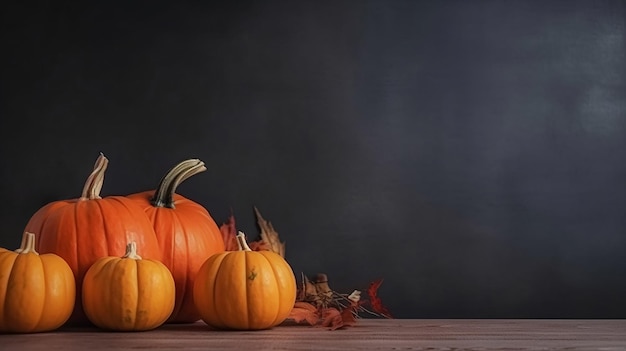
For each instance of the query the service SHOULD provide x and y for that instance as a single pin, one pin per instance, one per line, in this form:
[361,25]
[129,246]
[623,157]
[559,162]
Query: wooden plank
[368,334]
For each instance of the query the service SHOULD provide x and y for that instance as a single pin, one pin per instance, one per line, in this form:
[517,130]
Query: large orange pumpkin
[37,292]
[128,293]
[186,232]
[245,290]
[84,229]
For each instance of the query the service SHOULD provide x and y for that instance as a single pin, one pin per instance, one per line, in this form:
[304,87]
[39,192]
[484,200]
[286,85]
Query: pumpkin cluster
[134,262]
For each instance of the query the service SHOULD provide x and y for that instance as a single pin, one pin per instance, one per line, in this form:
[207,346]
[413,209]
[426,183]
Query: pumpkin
[128,293]
[37,292]
[244,289]
[84,229]
[186,232]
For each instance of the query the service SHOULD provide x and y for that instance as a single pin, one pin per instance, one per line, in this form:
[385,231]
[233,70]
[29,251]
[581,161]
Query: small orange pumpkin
[37,292]
[245,289]
[84,229]
[186,232]
[128,293]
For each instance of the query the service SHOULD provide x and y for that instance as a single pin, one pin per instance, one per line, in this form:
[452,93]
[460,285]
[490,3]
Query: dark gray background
[471,153]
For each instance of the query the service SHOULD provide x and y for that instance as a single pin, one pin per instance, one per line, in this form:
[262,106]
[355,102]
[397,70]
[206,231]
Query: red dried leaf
[259,245]
[304,312]
[375,301]
[331,318]
[348,314]
[229,234]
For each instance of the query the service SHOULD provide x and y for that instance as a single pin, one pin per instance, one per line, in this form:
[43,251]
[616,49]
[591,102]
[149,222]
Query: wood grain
[368,334]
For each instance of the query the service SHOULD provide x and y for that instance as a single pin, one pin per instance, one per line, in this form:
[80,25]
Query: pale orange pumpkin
[128,293]
[245,290]
[37,292]
[84,229]
[186,232]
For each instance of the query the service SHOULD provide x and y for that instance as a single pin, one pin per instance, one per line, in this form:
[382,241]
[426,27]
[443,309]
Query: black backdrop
[471,153]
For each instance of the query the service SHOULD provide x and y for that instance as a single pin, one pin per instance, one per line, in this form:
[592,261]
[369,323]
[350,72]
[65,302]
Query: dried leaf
[259,245]
[324,292]
[307,291]
[304,312]
[331,318]
[305,305]
[317,292]
[348,314]
[269,235]
[229,234]
[375,301]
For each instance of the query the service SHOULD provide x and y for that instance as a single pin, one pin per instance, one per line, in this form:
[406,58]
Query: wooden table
[367,334]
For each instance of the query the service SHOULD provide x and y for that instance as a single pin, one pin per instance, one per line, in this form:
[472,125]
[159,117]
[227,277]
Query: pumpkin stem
[242,243]
[131,251]
[93,185]
[164,194]
[28,244]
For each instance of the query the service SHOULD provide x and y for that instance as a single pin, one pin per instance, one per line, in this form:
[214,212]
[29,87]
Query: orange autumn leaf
[268,241]
[269,234]
[229,234]
[304,312]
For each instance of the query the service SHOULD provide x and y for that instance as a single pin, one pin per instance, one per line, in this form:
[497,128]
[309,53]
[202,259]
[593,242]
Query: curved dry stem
[242,243]
[164,194]
[93,185]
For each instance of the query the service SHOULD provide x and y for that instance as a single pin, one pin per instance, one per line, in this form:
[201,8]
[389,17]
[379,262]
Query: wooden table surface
[367,334]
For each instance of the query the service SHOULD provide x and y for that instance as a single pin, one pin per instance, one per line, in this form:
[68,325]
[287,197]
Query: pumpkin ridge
[24,263]
[8,278]
[122,267]
[184,275]
[102,208]
[98,315]
[140,281]
[279,291]
[45,295]
[131,212]
[175,222]
[216,260]
[220,268]
[67,283]
[39,229]
[76,253]
[100,267]
[136,302]
[248,295]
